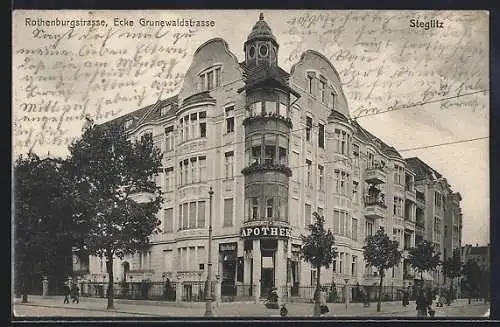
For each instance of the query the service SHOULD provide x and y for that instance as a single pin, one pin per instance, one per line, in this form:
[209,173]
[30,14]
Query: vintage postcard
[250,163]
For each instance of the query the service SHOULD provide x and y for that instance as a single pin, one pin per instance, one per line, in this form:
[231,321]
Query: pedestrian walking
[75,292]
[67,292]
[406,296]
[322,296]
[422,304]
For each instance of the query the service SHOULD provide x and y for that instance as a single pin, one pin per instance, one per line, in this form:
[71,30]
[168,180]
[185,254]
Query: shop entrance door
[267,281]
[267,273]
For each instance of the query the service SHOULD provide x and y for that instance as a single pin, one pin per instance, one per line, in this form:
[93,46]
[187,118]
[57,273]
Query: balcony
[411,194]
[375,207]
[375,174]
[410,225]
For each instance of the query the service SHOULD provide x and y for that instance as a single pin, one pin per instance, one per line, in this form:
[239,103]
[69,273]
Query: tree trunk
[380,291]
[109,266]
[25,278]
[317,296]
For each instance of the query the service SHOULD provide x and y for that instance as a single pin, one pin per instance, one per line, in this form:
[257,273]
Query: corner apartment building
[440,215]
[275,146]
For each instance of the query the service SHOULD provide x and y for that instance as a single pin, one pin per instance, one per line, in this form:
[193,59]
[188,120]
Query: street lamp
[208,293]
[346,293]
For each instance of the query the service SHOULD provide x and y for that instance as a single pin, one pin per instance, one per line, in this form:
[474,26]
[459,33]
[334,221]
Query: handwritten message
[65,74]
[390,60]
[69,65]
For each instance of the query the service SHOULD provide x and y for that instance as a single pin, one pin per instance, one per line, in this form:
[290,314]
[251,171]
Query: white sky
[379,57]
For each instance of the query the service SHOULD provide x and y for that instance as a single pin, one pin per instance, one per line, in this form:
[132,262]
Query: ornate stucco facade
[275,146]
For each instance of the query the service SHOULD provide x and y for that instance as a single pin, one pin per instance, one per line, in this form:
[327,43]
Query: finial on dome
[261,17]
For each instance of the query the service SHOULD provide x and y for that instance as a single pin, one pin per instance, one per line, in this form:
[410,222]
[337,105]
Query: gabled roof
[421,169]
[369,137]
[334,114]
[145,114]
[198,97]
[256,75]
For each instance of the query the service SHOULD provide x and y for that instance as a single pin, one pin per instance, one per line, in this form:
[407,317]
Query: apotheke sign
[265,231]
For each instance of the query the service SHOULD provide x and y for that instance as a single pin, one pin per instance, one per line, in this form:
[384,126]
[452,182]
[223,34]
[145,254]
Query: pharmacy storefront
[266,257]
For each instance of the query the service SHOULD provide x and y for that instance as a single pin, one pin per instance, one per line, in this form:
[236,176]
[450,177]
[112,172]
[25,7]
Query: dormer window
[128,123]
[211,79]
[164,110]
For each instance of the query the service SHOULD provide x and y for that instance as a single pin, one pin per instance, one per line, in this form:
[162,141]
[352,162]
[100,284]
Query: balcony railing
[375,174]
[375,200]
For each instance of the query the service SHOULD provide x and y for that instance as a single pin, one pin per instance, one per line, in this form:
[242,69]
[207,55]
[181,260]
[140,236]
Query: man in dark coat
[67,293]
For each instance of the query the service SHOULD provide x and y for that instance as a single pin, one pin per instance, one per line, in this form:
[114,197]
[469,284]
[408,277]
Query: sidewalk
[226,309]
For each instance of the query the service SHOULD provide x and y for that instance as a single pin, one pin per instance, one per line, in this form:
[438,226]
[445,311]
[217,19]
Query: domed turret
[261,47]
[261,30]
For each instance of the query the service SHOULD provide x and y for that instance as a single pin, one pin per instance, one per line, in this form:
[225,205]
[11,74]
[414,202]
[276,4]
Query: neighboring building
[441,215]
[479,254]
[276,147]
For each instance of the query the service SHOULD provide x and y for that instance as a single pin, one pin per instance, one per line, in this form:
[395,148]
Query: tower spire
[261,17]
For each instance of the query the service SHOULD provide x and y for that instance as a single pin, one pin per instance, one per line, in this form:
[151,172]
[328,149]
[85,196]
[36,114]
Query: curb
[89,309]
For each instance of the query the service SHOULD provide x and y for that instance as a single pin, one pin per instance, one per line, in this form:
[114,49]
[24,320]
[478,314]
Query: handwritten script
[386,64]
[63,73]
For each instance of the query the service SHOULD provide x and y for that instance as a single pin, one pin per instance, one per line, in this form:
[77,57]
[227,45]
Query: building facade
[275,147]
[440,215]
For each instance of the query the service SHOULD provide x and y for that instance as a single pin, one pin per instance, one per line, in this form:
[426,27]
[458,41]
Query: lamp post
[346,293]
[208,293]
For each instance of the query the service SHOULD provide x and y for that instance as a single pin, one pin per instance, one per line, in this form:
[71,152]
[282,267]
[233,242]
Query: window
[282,150]
[437,200]
[230,119]
[202,162]
[194,168]
[341,180]
[188,126]
[309,173]
[164,109]
[185,216]
[321,136]
[270,107]
[229,164]
[255,154]
[354,229]
[398,174]
[334,265]
[282,110]
[355,154]
[398,206]
[210,79]
[341,260]
[368,229]
[169,221]
[201,214]
[333,100]
[341,142]
[355,192]
[342,223]
[269,149]
[320,211]
[309,124]
[169,138]
[321,173]
[336,221]
[228,212]
[254,214]
[310,82]
[269,208]
[307,214]
[169,179]
[323,90]
[192,215]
